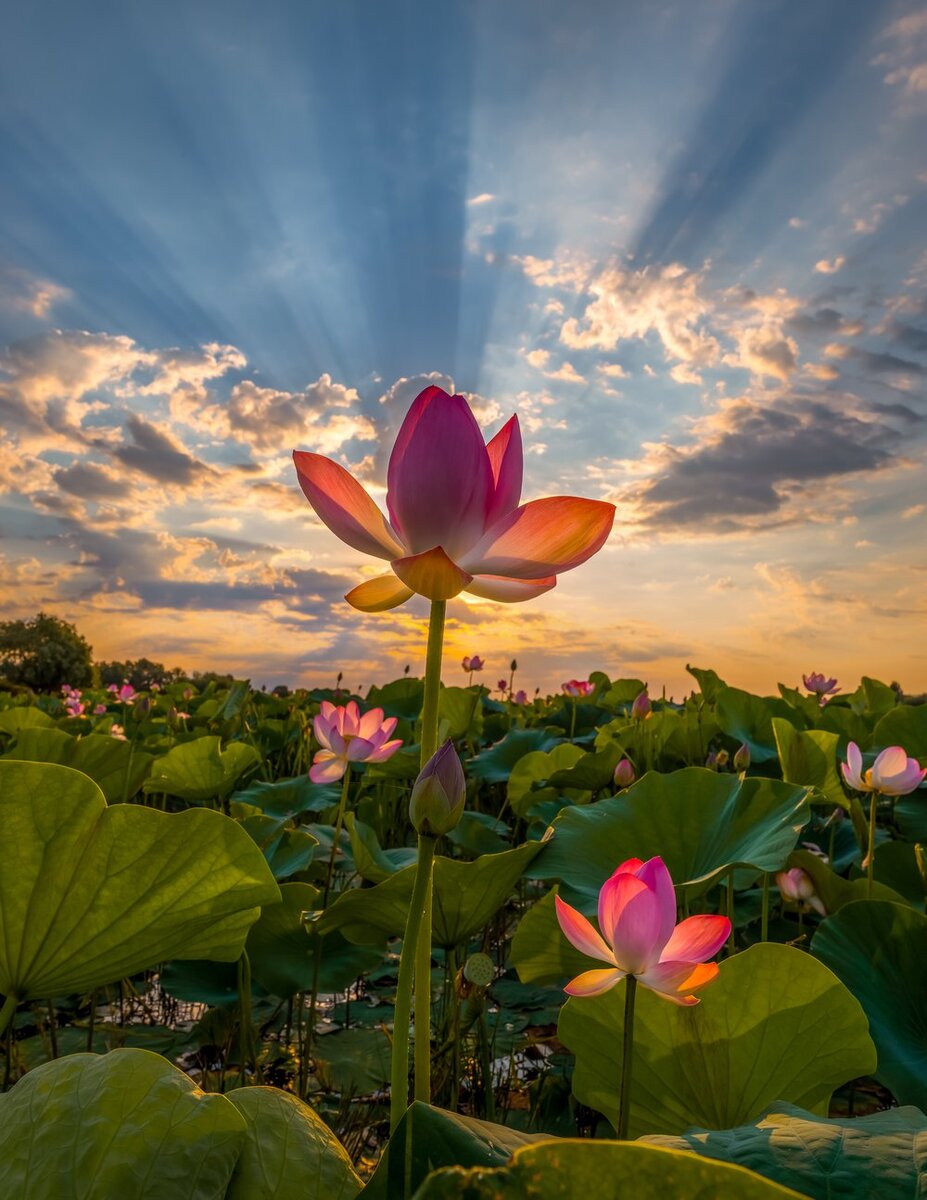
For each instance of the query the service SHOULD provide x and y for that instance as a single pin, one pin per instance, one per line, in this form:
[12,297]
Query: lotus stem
[7,1012]
[870,856]
[627,1055]
[432,680]
[573,722]
[426,856]
[764,920]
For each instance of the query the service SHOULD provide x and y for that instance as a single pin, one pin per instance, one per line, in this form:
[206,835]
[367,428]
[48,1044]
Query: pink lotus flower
[502,684]
[474,663]
[99,710]
[797,887]
[624,773]
[892,773]
[639,936]
[455,523]
[348,737]
[577,688]
[112,687]
[817,684]
[118,732]
[520,697]
[126,692]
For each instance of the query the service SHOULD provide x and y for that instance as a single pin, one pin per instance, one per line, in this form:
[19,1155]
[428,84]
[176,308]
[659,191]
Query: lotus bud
[502,684]
[640,709]
[187,693]
[624,773]
[439,793]
[514,666]
[142,707]
[797,887]
[742,757]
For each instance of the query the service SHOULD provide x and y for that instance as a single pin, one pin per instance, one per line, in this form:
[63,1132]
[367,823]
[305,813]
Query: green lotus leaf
[401,698]
[879,697]
[289,797]
[460,714]
[371,861]
[879,950]
[287,850]
[748,719]
[774,1025]
[466,895]
[905,726]
[22,716]
[289,1152]
[879,1155]
[116,766]
[495,764]
[201,770]
[709,682]
[353,1061]
[591,773]
[834,890]
[700,822]
[896,867]
[578,1169]
[124,1125]
[90,894]
[537,767]
[428,1138]
[540,953]
[622,691]
[809,757]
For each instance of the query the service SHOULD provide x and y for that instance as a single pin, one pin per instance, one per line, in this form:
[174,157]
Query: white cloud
[482,198]
[567,373]
[823,267]
[612,370]
[537,358]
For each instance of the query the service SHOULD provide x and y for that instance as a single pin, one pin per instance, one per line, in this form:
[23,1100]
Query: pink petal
[543,537]
[387,750]
[677,981]
[509,591]
[892,761]
[853,767]
[322,728]
[372,722]
[636,923]
[655,874]
[593,983]
[507,462]
[696,938]
[344,506]
[351,718]
[377,595]
[580,933]
[327,709]
[337,743]
[439,481]
[327,767]
[432,574]
[359,749]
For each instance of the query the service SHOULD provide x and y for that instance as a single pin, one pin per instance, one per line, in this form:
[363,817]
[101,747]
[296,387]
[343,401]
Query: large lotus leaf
[201,770]
[24,716]
[125,1126]
[579,1169]
[401,698]
[833,889]
[289,797]
[89,893]
[428,1138]
[116,766]
[709,682]
[287,850]
[905,726]
[809,757]
[622,691]
[748,719]
[289,1152]
[879,950]
[879,697]
[466,895]
[774,1025]
[354,1062]
[460,714]
[807,707]
[371,861]
[591,772]
[537,767]
[700,822]
[896,867]
[495,764]
[884,1154]
[540,952]
[850,726]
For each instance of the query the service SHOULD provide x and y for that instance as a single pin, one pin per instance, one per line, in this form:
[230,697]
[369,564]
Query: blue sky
[684,241]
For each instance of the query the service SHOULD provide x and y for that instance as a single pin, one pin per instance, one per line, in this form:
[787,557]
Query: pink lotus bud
[502,684]
[521,696]
[99,710]
[438,794]
[819,685]
[473,663]
[624,773]
[797,887]
[742,757]
[141,707]
[112,687]
[641,707]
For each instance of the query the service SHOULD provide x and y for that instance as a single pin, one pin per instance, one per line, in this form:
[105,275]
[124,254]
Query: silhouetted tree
[44,653]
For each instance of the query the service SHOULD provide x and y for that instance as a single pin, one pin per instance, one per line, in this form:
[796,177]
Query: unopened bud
[439,793]
[742,757]
[142,707]
[514,666]
[641,706]
[624,773]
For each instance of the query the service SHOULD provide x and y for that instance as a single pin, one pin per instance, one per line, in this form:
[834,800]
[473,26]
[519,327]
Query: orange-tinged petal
[593,983]
[344,506]
[697,938]
[580,933]
[543,537]
[507,461]
[432,574]
[509,591]
[377,595]
[677,981]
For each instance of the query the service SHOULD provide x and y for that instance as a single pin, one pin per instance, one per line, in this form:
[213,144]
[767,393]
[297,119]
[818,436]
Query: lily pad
[882,1155]
[905,726]
[540,953]
[126,1124]
[722,1062]
[700,822]
[116,766]
[591,773]
[538,767]
[748,719]
[879,950]
[495,764]
[90,894]
[289,1153]
[809,757]
[201,770]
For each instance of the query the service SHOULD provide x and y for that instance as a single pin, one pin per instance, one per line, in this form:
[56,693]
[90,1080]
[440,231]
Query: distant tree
[140,672]
[44,653]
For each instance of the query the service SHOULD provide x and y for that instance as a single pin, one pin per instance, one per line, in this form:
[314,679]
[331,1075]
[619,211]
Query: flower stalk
[627,1057]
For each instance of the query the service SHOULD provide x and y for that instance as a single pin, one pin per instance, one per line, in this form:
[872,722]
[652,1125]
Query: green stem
[426,855]
[624,1095]
[246,1031]
[432,680]
[573,721]
[764,921]
[339,822]
[6,1013]
[399,1075]
[870,857]
[730,910]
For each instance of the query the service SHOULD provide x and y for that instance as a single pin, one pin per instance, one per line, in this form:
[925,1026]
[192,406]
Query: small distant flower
[892,773]
[797,887]
[118,732]
[66,689]
[74,706]
[126,692]
[346,737]
[502,684]
[638,936]
[188,693]
[577,688]
[112,687]
[99,710]
[742,757]
[641,707]
[520,697]
[624,773]
[474,663]
[817,684]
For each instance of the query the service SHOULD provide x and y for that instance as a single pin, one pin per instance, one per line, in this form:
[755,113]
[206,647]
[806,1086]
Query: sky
[683,241]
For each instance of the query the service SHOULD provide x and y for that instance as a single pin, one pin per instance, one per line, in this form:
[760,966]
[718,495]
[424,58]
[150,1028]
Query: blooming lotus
[473,663]
[346,736]
[455,523]
[892,773]
[817,684]
[797,887]
[577,688]
[638,936]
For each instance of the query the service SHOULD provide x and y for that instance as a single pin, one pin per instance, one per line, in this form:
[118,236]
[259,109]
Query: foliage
[43,653]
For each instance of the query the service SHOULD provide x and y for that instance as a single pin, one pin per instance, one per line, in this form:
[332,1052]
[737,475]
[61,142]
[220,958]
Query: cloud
[21,291]
[537,358]
[612,370]
[482,198]
[566,373]
[914,511]
[684,374]
[157,453]
[823,267]
[884,364]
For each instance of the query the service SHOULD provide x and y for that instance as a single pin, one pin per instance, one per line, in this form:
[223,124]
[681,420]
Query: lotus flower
[624,773]
[817,684]
[797,887]
[118,732]
[474,663]
[641,707]
[126,692]
[520,697]
[892,773]
[639,936]
[455,523]
[99,710]
[502,685]
[577,688]
[348,737]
